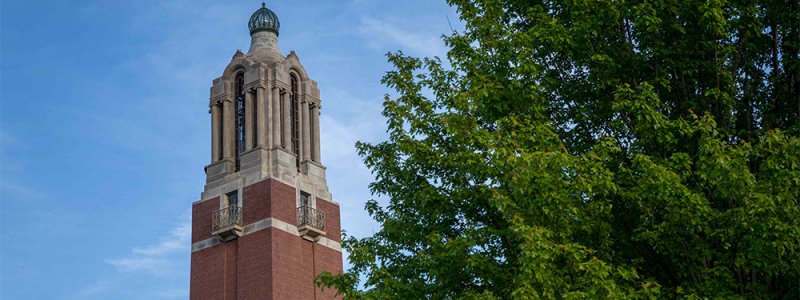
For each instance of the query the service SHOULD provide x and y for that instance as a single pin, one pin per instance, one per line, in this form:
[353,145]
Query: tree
[590,149]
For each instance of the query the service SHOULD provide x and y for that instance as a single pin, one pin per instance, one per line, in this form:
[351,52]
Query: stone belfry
[266,223]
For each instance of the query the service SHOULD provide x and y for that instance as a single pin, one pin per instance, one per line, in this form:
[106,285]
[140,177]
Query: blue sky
[104,127]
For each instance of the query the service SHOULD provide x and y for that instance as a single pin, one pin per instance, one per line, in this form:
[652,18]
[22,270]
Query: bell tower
[265,224]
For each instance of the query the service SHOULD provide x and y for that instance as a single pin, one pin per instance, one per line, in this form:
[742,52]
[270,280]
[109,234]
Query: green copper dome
[264,20]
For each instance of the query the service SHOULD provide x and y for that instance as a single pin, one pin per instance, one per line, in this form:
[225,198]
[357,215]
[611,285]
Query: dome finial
[264,20]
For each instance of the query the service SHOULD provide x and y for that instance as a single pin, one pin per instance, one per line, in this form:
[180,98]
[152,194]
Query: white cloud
[179,238]
[155,271]
[383,35]
[158,259]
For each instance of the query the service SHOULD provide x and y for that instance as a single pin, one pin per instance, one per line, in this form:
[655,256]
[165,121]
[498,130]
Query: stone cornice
[261,83]
[312,99]
[280,85]
[219,98]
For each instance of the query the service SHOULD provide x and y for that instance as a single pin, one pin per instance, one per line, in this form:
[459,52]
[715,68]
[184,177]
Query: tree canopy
[590,149]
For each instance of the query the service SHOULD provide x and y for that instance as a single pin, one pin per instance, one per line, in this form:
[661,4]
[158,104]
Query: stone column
[248,120]
[276,118]
[306,132]
[227,130]
[261,112]
[315,130]
[215,137]
[286,118]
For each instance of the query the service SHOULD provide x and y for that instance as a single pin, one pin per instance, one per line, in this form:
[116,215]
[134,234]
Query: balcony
[226,223]
[310,223]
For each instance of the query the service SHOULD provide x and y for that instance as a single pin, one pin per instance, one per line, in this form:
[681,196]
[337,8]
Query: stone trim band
[264,224]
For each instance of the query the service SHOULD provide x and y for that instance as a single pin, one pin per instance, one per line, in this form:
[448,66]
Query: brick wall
[298,261]
[293,261]
[267,264]
[255,257]
[231,266]
[328,260]
[201,219]
[333,228]
[284,202]
[205,279]
[256,201]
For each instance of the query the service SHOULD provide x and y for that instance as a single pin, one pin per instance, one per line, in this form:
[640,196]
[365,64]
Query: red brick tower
[266,223]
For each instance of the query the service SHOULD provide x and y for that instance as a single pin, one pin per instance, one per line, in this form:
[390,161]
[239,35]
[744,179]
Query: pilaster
[315,128]
[227,129]
[285,119]
[262,110]
[215,132]
[248,120]
[276,118]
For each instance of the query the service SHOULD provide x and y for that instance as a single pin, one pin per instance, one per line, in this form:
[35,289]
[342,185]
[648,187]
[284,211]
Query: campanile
[265,223]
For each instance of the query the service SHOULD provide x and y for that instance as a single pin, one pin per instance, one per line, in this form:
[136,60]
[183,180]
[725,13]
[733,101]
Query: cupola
[264,20]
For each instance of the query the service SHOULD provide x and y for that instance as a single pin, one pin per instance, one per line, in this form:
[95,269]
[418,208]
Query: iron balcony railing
[226,218]
[308,216]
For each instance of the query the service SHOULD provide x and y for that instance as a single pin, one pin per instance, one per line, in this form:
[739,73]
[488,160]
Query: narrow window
[311,129]
[254,118]
[233,199]
[233,212]
[239,119]
[220,126]
[304,200]
[295,122]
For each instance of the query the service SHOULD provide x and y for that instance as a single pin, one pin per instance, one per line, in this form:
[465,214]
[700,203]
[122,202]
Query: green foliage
[590,149]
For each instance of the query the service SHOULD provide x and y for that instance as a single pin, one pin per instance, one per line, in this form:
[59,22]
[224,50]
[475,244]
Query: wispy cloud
[18,191]
[155,271]
[178,241]
[6,139]
[97,288]
[383,35]
[158,259]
